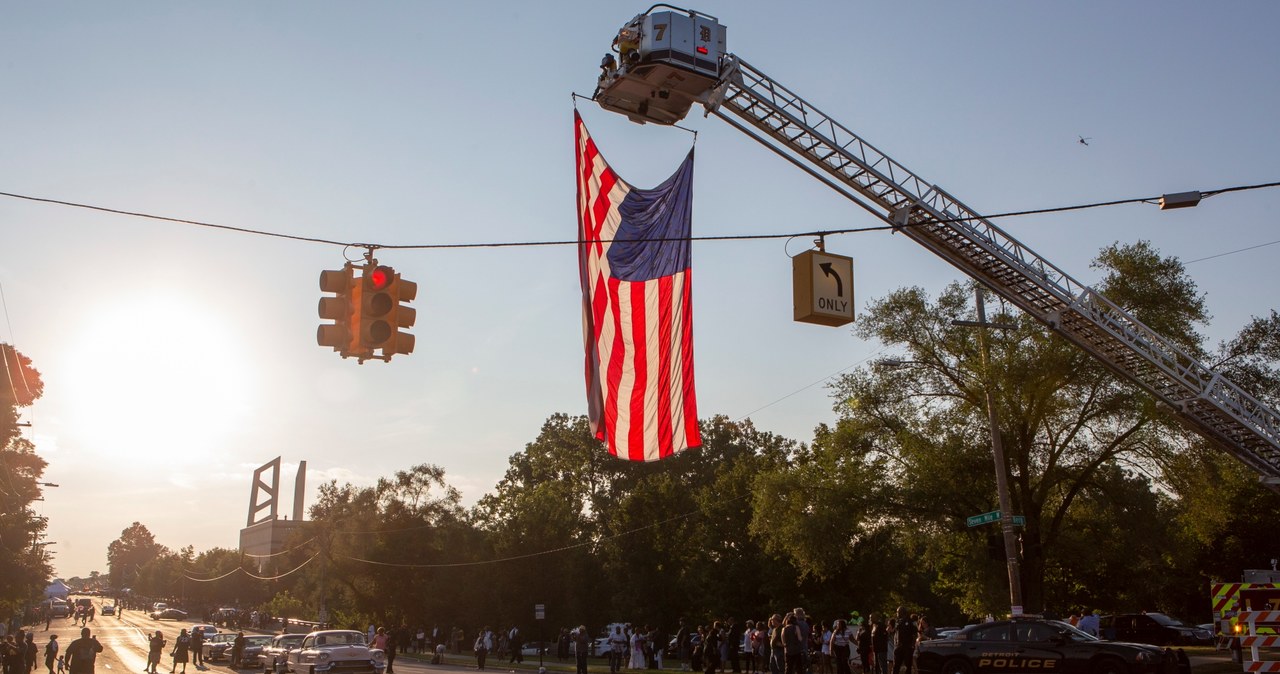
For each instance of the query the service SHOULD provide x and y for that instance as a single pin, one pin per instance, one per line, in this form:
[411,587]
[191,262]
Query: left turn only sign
[822,288]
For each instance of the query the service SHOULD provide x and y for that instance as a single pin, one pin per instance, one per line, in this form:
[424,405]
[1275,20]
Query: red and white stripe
[1260,642]
[1262,666]
[638,335]
[1258,617]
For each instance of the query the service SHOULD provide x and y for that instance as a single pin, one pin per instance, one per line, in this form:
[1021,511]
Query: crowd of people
[791,643]
[795,643]
[19,653]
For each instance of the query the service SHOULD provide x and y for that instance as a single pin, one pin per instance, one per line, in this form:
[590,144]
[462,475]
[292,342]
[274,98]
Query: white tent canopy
[57,589]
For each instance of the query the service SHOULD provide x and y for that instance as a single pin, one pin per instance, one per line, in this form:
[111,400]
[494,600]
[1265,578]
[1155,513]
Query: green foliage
[285,605]
[127,555]
[24,567]
[1124,509]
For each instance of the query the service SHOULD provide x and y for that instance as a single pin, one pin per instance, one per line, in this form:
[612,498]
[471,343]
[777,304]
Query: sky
[176,359]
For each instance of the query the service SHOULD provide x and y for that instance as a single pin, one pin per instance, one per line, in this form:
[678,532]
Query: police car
[1041,646]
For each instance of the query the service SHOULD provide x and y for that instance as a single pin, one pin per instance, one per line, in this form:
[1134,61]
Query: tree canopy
[24,567]
[1125,510]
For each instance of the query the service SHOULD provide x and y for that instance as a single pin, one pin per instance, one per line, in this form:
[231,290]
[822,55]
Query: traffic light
[402,317]
[382,313]
[375,308]
[341,309]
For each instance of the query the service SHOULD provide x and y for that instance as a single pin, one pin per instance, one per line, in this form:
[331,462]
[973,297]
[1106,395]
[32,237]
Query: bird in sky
[1085,141]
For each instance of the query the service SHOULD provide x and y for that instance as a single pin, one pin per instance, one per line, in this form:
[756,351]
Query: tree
[24,567]
[373,547]
[1071,430]
[603,537]
[127,555]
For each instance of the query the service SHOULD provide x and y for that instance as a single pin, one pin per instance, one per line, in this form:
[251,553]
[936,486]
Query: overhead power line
[540,553]
[566,242]
[241,569]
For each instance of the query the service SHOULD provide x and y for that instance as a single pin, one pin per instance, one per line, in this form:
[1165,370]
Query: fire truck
[1258,590]
[668,59]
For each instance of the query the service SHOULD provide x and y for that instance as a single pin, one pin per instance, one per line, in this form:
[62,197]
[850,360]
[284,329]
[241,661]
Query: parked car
[1027,644]
[169,614]
[251,657]
[206,631]
[218,646]
[344,651]
[59,608]
[276,655]
[1152,628]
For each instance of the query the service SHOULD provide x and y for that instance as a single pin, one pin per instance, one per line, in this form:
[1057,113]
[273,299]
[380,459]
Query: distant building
[269,535]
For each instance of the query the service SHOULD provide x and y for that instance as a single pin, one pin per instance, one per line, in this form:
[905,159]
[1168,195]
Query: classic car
[254,645]
[218,646]
[336,652]
[276,655]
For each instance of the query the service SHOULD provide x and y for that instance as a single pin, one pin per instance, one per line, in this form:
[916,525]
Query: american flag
[637,309]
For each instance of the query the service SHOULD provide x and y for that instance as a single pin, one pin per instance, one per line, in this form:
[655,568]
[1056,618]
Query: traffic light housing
[382,314]
[339,308]
[376,304]
[403,317]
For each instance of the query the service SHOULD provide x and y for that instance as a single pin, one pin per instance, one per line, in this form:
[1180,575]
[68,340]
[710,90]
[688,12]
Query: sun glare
[155,377]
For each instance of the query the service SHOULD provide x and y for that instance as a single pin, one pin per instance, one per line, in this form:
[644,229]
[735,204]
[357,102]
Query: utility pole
[997,453]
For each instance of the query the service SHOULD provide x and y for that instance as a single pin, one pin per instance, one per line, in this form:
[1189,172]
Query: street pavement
[124,641]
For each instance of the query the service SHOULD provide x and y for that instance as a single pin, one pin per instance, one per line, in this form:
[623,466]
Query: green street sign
[993,516]
[984,518]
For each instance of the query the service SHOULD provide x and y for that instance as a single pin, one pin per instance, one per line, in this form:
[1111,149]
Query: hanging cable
[282,552]
[540,553]
[567,242]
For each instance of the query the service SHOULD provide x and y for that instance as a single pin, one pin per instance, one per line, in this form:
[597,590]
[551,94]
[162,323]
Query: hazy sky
[176,359]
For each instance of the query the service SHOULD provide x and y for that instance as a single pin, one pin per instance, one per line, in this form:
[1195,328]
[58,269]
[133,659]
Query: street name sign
[984,518]
[993,516]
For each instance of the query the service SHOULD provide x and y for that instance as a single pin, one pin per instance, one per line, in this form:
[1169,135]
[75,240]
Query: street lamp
[997,454]
[46,484]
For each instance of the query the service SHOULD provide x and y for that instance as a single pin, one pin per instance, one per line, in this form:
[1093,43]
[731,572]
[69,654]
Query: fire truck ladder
[1202,398]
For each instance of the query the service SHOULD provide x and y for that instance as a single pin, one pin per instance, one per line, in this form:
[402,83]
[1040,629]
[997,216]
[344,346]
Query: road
[124,642]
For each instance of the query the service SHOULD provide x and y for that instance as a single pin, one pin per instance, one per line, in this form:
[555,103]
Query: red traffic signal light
[383,314]
[376,303]
[381,277]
